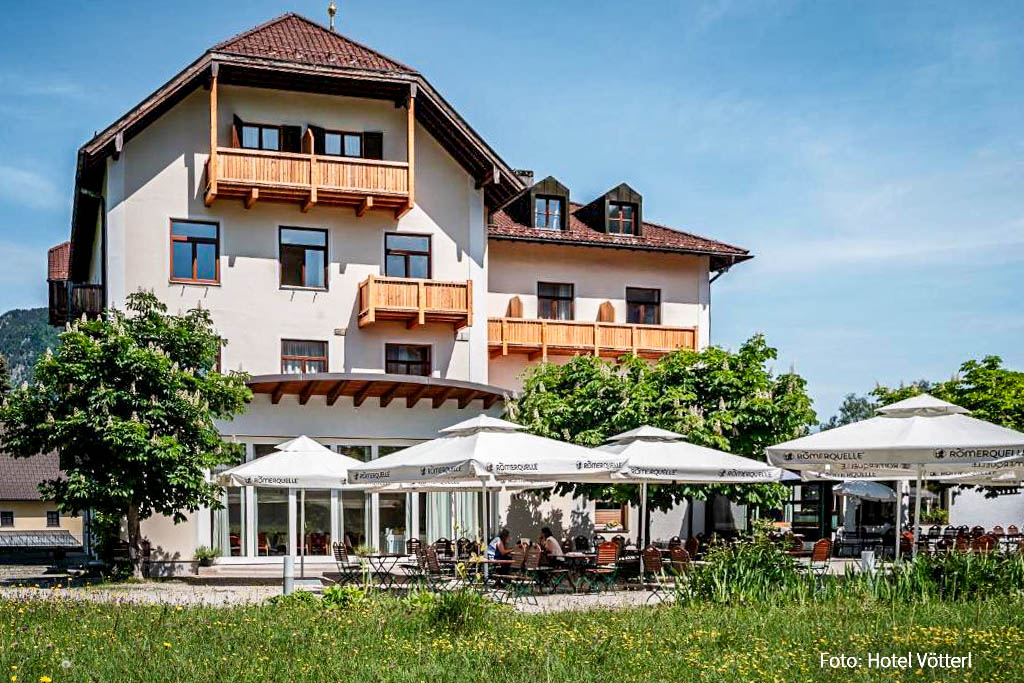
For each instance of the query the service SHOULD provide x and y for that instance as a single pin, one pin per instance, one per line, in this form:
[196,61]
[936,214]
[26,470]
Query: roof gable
[294,38]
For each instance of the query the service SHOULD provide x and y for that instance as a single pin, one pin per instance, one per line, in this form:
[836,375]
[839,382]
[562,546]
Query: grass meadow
[388,639]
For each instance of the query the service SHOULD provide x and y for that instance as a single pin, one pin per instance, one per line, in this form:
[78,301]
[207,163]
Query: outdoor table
[383,564]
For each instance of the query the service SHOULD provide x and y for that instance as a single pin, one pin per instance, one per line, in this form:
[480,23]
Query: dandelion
[45,679]
[166,644]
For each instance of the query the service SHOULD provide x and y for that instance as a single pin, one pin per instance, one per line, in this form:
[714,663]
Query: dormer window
[547,213]
[621,218]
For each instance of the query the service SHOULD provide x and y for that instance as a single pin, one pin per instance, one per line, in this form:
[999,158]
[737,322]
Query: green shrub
[742,573]
[454,611]
[345,597]
[299,597]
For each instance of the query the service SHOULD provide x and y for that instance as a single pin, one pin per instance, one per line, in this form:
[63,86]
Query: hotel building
[373,263]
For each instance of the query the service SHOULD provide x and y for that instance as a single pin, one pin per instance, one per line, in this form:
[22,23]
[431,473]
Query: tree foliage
[729,401]
[853,409]
[129,401]
[5,375]
[25,335]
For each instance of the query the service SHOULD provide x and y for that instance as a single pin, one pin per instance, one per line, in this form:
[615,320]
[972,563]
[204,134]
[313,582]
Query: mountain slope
[24,336]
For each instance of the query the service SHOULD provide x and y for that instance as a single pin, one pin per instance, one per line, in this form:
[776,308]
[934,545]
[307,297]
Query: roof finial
[332,9]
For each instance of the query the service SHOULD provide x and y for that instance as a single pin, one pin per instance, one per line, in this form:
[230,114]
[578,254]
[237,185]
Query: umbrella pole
[917,509]
[302,534]
[643,515]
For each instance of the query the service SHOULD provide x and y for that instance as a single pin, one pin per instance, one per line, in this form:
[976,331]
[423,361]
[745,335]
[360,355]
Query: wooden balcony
[71,300]
[543,338]
[307,179]
[415,302]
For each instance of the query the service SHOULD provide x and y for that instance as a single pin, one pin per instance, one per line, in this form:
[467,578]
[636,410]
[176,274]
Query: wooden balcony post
[469,303]
[504,336]
[371,312]
[211,164]
[306,205]
[410,147]
[421,305]
[597,345]
[632,338]
[544,340]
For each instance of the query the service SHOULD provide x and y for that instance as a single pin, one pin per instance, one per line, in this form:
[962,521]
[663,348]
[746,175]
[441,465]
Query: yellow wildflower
[166,644]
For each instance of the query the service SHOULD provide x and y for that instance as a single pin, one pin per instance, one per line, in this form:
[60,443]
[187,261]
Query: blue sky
[870,154]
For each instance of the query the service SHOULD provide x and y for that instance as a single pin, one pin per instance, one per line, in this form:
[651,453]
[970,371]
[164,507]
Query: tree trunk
[134,548]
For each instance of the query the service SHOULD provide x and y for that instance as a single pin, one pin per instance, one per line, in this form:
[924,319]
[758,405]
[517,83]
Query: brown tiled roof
[652,237]
[294,38]
[58,261]
[20,477]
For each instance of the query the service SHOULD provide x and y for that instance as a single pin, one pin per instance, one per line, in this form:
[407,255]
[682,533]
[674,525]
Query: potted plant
[204,555]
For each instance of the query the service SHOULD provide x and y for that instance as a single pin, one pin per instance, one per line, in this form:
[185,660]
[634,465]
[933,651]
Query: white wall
[598,275]
[161,173]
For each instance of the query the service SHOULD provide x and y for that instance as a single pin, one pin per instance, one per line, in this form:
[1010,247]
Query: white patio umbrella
[301,464]
[487,451]
[658,455]
[918,437]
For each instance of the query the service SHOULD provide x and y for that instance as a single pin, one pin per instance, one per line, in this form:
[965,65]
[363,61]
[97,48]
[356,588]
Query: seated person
[498,548]
[552,549]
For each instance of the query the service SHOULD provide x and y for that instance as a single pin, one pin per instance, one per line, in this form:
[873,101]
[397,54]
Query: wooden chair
[934,531]
[821,554]
[527,582]
[977,531]
[437,576]
[692,547]
[675,542]
[443,547]
[348,571]
[605,570]
[983,544]
[1012,530]
[997,530]
[652,573]
[462,547]
[581,544]
[262,544]
[680,560]
[962,544]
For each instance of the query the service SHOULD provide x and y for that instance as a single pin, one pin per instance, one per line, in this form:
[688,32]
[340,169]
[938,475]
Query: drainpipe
[103,239]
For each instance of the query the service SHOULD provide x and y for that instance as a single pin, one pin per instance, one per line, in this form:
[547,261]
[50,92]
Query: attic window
[547,213]
[621,218]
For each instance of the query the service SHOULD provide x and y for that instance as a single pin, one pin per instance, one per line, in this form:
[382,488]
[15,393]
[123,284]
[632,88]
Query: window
[406,255]
[259,136]
[554,301]
[406,359]
[303,253]
[303,357]
[339,144]
[7,518]
[609,516]
[547,212]
[195,251]
[52,518]
[643,306]
[621,218]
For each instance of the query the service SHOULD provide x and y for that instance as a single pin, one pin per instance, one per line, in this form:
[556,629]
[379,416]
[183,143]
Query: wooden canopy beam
[277,393]
[412,399]
[439,400]
[366,205]
[466,399]
[335,391]
[492,178]
[254,194]
[306,392]
[360,396]
[388,396]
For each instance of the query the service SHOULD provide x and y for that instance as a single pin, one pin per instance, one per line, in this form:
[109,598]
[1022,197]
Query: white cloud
[28,188]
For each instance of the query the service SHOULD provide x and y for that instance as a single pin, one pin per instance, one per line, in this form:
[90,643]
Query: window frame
[194,280]
[305,359]
[343,133]
[54,521]
[621,221]
[280,258]
[261,127]
[6,515]
[429,362]
[406,253]
[548,201]
[571,299]
[609,506]
[630,303]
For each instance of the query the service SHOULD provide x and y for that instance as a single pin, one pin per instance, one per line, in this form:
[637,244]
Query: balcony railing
[70,301]
[543,338]
[415,301]
[309,179]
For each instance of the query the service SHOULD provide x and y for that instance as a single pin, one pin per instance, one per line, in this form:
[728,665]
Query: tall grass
[757,573]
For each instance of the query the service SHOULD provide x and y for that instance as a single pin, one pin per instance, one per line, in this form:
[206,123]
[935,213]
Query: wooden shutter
[318,139]
[373,145]
[291,138]
[606,313]
[236,131]
[515,308]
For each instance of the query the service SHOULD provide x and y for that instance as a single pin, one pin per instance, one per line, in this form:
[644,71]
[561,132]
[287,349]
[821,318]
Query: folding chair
[606,569]
[348,571]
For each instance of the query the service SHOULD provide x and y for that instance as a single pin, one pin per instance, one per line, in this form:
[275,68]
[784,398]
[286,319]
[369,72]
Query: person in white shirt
[552,549]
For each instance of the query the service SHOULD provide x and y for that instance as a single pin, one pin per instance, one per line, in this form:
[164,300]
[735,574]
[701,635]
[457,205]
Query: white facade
[159,175]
